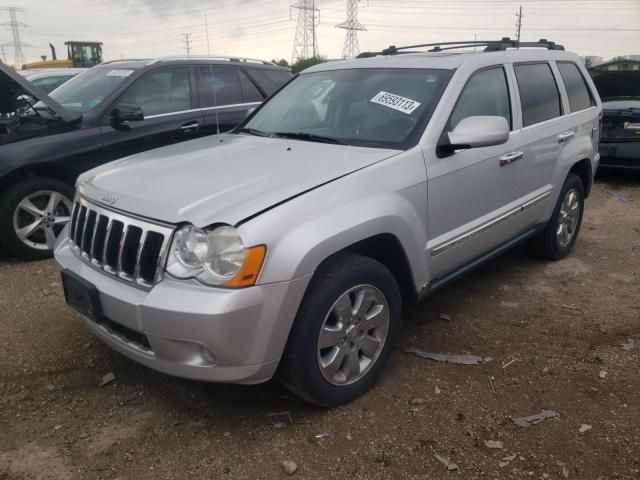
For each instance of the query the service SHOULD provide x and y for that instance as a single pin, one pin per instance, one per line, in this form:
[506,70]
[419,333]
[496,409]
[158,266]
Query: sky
[265,29]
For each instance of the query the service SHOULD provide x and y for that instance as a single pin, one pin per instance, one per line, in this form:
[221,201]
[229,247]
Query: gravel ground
[554,332]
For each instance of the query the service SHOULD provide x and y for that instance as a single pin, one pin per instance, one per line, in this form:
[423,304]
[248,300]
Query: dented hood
[223,178]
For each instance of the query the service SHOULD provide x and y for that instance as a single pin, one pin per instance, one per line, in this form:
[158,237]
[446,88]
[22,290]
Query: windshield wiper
[309,137]
[254,131]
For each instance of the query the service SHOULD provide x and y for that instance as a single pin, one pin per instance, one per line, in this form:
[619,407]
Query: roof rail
[123,60]
[490,46]
[224,58]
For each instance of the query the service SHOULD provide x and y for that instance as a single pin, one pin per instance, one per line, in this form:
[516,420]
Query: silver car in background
[288,246]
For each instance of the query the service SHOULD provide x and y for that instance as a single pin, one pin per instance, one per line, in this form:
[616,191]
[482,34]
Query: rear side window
[577,90]
[486,93]
[538,93]
[250,92]
[270,80]
[219,86]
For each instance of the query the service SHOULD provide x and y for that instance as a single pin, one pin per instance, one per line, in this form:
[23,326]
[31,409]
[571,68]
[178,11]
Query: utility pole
[15,26]
[352,26]
[187,43]
[305,43]
[4,55]
[519,24]
[206,29]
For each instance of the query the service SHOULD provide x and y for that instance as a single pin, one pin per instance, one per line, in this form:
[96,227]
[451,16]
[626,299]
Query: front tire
[33,213]
[344,332]
[558,238]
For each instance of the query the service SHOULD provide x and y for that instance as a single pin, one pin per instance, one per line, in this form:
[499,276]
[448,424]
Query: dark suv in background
[113,110]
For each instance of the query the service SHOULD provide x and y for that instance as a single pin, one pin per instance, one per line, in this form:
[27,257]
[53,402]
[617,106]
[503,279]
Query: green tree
[306,63]
[282,62]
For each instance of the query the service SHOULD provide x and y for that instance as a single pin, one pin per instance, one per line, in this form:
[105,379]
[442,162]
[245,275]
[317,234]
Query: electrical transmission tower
[187,43]
[305,43]
[352,26]
[519,23]
[15,26]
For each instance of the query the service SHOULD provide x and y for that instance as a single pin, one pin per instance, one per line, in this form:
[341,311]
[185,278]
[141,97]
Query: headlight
[214,257]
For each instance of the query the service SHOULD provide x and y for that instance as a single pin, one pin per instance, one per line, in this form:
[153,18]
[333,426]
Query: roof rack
[124,60]
[224,58]
[490,46]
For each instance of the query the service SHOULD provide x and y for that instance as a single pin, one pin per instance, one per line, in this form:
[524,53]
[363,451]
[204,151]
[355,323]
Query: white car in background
[48,79]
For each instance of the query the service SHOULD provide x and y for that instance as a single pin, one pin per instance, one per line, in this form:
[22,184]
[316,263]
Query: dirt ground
[554,332]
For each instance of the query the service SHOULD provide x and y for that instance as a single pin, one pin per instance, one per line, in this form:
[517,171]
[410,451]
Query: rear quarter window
[539,93]
[578,92]
[270,80]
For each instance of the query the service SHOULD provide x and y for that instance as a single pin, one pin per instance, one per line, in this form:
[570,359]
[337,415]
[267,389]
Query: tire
[38,244]
[551,244]
[346,277]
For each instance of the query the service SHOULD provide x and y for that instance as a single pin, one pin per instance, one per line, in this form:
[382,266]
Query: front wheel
[344,332]
[558,238]
[33,213]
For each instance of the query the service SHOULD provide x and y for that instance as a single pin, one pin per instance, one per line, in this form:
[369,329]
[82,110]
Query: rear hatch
[620,93]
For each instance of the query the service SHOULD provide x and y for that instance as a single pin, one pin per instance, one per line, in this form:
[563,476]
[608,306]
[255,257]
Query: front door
[166,97]
[473,195]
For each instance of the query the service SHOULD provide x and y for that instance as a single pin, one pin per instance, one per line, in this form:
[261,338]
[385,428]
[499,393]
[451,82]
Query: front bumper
[622,155]
[192,331]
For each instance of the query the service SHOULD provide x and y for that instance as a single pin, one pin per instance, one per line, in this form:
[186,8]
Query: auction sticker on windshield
[402,104]
[119,73]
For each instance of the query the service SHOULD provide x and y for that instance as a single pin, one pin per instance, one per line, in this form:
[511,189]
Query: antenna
[519,23]
[351,47]
[187,43]
[206,29]
[15,26]
[305,43]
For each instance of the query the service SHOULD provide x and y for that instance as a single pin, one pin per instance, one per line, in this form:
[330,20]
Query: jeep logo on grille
[109,199]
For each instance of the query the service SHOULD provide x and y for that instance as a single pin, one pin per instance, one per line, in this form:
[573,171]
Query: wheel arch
[582,168]
[47,170]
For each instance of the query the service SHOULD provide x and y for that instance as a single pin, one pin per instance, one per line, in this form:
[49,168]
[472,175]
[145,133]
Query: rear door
[167,99]
[225,96]
[473,198]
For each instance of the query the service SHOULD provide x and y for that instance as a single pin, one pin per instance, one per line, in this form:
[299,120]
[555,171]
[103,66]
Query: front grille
[125,247]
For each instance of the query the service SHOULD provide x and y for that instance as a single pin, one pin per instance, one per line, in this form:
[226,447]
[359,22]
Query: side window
[577,89]
[160,92]
[250,92]
[486,93]
[539,94]
[219,86]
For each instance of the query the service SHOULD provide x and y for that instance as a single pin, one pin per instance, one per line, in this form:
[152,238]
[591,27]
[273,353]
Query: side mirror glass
[478,131]
[126,113]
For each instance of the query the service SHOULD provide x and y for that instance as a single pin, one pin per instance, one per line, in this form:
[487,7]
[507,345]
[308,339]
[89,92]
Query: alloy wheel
[353,335]
[40,217]
[568,218]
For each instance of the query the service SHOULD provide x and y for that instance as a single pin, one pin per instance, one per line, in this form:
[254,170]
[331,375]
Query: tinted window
[49,84]
[250,92]
[538,93]
[219,86]
[163,91]
[270,80]
[486,93]
[577,90]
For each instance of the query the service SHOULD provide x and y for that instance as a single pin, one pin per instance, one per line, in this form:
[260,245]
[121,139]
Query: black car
[110,111]
[620,138]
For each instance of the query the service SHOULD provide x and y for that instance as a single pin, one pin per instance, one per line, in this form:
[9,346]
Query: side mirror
[126,113]
[478,131]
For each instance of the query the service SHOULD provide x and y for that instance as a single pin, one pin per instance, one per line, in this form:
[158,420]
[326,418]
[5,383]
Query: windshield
[84,92]
[365,107]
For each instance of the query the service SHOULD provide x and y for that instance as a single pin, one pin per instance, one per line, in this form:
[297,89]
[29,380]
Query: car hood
[618,84]
[13,86]
[221,179]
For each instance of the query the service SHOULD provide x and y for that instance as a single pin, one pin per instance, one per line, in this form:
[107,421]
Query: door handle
[566,136]
[508,158]
[190,127]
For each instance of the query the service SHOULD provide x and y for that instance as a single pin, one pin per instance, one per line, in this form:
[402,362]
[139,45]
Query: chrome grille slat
[130,249]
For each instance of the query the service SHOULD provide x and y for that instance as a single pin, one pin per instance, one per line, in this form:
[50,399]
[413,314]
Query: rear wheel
[344,332]
[32,215]
[558,238]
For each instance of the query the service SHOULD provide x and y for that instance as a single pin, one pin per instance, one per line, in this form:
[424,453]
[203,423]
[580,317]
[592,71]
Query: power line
[187,43]
[351,47]
[305,42]
[16,26]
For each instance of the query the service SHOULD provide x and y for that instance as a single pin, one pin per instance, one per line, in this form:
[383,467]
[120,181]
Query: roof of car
[136,64]
[50,72]
[445,60]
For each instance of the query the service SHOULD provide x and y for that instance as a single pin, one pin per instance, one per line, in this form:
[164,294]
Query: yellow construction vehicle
[79,55]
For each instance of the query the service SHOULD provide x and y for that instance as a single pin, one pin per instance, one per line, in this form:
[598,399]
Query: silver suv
[288,246]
